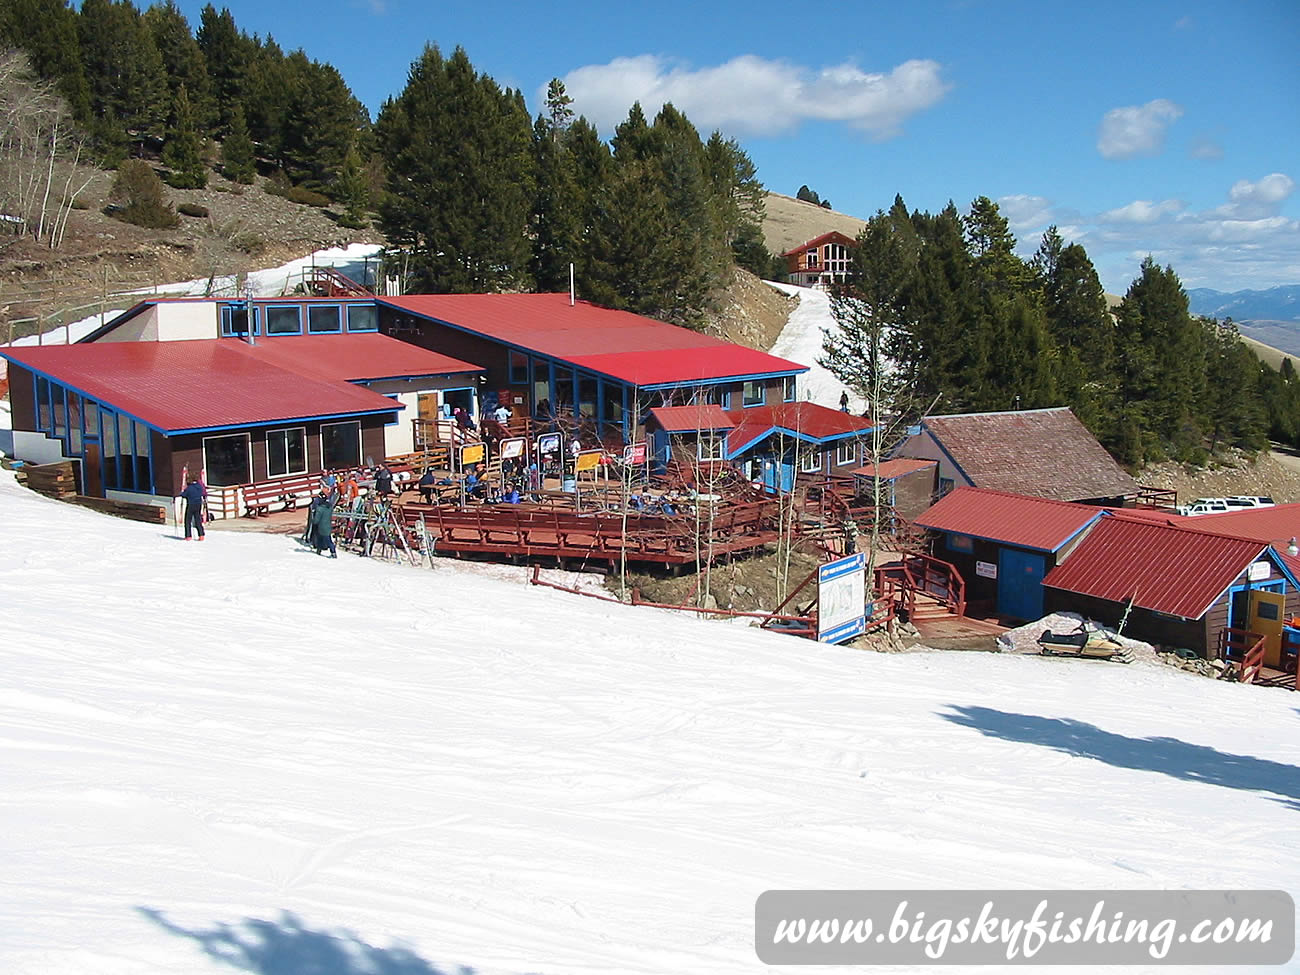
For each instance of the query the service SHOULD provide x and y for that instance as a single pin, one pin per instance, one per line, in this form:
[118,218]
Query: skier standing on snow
[322,523]
[194,494]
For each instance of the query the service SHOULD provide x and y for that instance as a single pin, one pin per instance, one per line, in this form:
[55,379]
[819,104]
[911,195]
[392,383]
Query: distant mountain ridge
[1280,304]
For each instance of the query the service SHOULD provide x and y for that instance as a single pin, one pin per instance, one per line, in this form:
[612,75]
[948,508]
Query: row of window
[113,448]
[288,319]
[711,446]
[228,459]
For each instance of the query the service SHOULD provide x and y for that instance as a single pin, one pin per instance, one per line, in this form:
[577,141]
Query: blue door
[1020,584]
[777,474]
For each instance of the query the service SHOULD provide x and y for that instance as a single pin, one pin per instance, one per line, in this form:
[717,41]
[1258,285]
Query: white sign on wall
[1259,571]
[986,570]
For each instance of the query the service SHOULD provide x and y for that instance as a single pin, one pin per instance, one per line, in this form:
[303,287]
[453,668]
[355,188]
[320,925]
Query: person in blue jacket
[194,494]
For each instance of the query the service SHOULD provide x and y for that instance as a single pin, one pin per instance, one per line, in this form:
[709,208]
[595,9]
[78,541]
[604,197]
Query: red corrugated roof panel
[1037,523]
[356,357]
[1278,524]
[890,469]
[688,419]
[1166,569]
[627,347]
[196,385]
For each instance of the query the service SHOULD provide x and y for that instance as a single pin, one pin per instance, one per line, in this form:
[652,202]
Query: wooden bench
[285,491]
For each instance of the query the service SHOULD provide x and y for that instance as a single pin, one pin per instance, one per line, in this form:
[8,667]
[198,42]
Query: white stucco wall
[180,320]
[36,448]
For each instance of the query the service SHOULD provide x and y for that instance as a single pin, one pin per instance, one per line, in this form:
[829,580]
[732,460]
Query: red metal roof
[1167,569]
[891,469]
[1278,524]
[355,357]
[688,419]
[1037,523]
[631,348]
[828,237]
[197,384]
[804,421]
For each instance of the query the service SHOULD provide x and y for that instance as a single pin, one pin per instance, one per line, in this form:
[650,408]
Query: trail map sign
[841,599]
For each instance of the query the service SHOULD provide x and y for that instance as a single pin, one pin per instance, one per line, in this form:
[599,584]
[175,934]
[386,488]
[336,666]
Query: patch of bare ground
[246,229]
[747,584]
[1274,473]
[751,313]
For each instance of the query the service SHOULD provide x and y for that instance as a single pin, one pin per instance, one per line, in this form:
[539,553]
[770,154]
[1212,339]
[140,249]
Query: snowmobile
[1089,641]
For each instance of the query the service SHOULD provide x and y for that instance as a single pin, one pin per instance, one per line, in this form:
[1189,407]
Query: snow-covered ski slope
[236,756]
[801,341]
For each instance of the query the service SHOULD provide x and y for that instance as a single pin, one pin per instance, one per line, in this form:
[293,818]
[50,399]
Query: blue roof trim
[569,364]
[939,443]
[82,393]
[288,419]
[819,441]
[121,319]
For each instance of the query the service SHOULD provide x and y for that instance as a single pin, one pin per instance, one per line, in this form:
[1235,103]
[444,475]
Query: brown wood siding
[1142,624]
[166,480]
[22,398]
[490,356]
[914,493]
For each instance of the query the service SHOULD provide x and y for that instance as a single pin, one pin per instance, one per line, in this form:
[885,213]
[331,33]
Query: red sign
[634,453]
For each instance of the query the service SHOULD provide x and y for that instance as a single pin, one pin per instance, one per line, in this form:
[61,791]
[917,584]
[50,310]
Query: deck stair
[329,283]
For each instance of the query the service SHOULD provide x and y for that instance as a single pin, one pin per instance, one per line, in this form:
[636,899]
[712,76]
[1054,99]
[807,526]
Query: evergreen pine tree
[123,68]
[227,54]
[183,61]
[182,152]
[352,189]
[238,162]
[559,114]
[457,151]
[47,30]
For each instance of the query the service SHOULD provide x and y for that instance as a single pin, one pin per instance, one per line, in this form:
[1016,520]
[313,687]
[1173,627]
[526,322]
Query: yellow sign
[588,461]
[472,453]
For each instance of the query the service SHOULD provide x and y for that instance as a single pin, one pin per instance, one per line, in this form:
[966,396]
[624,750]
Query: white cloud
[1025,213]
[1136,130]
[1142,211]
[749,95]
[1267,192]
[1205,148]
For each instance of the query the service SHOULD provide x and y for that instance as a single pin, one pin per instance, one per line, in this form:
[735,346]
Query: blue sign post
[842,599]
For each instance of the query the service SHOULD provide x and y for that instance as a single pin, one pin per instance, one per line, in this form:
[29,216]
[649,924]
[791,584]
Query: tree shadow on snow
[1182,760]
[288,947]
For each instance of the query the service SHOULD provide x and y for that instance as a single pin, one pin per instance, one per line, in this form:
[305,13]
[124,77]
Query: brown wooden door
[92,483]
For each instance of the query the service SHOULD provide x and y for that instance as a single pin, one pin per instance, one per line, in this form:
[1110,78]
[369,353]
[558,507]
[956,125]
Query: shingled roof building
[1038,453]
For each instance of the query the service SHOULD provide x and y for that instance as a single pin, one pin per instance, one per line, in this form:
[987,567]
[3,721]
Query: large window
[340,445]
[283,320]
[363,318]
[812,461]
[44,417]
[846,452]
[324,318]
[787,389]
[518,368]
[286,451]
[234,320]
[755,394]
[226,460]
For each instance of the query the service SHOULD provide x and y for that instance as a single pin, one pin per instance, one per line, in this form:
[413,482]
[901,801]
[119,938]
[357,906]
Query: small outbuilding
[906,485]
[1176,585]
[1002,545]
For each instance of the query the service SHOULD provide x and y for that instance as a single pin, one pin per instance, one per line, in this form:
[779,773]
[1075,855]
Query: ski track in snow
[454,767]
[801,341]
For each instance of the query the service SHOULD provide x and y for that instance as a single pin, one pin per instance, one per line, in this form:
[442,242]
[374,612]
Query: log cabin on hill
[821,261]
[1044,453]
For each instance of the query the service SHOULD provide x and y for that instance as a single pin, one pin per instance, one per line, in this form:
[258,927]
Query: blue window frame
[234,321]
[754,394]
[363,318]
[324,319]
[283,320]
[788,389]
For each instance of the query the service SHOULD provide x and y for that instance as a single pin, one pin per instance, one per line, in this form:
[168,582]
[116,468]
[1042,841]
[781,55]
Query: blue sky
[1155,127]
